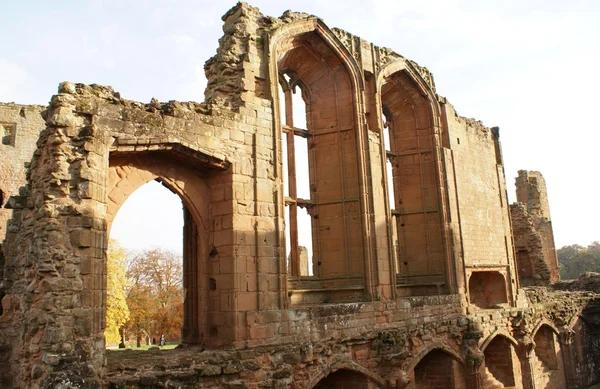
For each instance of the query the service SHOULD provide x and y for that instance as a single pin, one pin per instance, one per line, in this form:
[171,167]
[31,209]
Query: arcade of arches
[367,246]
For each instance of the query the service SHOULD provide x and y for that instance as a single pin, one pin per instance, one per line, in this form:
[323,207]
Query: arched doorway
[130,171]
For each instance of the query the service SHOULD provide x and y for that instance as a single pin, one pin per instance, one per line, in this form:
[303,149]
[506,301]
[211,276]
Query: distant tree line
[144,296]
[575,260]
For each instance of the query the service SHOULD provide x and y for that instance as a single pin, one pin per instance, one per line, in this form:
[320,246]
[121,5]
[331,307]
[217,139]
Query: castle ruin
[411,279]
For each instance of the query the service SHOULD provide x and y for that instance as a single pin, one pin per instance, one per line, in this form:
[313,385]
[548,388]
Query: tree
[117,311]
[156,295]
[575,260]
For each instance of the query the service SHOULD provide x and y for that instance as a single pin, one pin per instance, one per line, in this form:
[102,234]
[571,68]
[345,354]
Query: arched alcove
[502,363]
[438,369]
[548,368]
[344,374]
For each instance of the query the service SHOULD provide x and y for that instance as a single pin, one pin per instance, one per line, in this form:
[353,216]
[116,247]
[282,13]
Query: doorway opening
[145,291]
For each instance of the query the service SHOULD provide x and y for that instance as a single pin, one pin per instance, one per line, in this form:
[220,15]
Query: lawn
[168,346]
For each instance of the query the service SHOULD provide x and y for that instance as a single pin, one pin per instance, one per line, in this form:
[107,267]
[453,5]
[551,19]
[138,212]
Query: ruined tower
[532,229]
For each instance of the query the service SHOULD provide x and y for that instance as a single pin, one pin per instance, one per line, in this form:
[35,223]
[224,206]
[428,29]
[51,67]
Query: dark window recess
[7,133]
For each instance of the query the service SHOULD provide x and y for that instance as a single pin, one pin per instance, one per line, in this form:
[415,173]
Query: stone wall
[399,288]
[477,193]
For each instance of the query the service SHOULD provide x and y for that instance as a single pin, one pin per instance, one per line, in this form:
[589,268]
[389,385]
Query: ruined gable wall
[20,127]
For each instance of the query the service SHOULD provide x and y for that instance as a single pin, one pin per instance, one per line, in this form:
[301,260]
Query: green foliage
[575,260]
[117,311]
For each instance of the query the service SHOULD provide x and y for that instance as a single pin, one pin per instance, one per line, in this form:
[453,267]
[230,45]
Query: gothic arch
[437,365]
[401,66]
[499,332]
[350,366]
[434,346]
[502,361]
[544,322]
[300,27]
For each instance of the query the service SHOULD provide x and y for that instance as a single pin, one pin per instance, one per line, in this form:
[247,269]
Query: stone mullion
[385,156]
[449,260]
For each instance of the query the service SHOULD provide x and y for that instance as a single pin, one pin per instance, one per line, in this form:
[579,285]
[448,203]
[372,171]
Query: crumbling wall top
[531,190]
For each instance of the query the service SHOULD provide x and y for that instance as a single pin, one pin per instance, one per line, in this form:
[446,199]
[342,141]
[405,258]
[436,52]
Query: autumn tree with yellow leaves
[144,295]
[117,311]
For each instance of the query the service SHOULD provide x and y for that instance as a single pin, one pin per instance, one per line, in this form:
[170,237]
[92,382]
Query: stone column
[566,339]
[526,355]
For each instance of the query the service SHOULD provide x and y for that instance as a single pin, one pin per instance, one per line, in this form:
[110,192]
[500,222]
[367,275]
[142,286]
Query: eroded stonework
[411,282]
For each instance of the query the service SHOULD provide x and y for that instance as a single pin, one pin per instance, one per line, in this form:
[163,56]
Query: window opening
[7,133]
[288,237]
[284,148]
[302,173]
[390,161]
[305,249]
[298,109]
[295,140]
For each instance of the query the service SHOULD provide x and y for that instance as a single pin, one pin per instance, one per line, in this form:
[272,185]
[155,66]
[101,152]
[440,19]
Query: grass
[168,346]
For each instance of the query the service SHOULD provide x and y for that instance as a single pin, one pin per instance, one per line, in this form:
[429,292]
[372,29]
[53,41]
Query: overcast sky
[527,66]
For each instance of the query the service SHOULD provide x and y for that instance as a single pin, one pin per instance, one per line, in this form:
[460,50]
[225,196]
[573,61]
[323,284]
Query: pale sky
[527,66]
